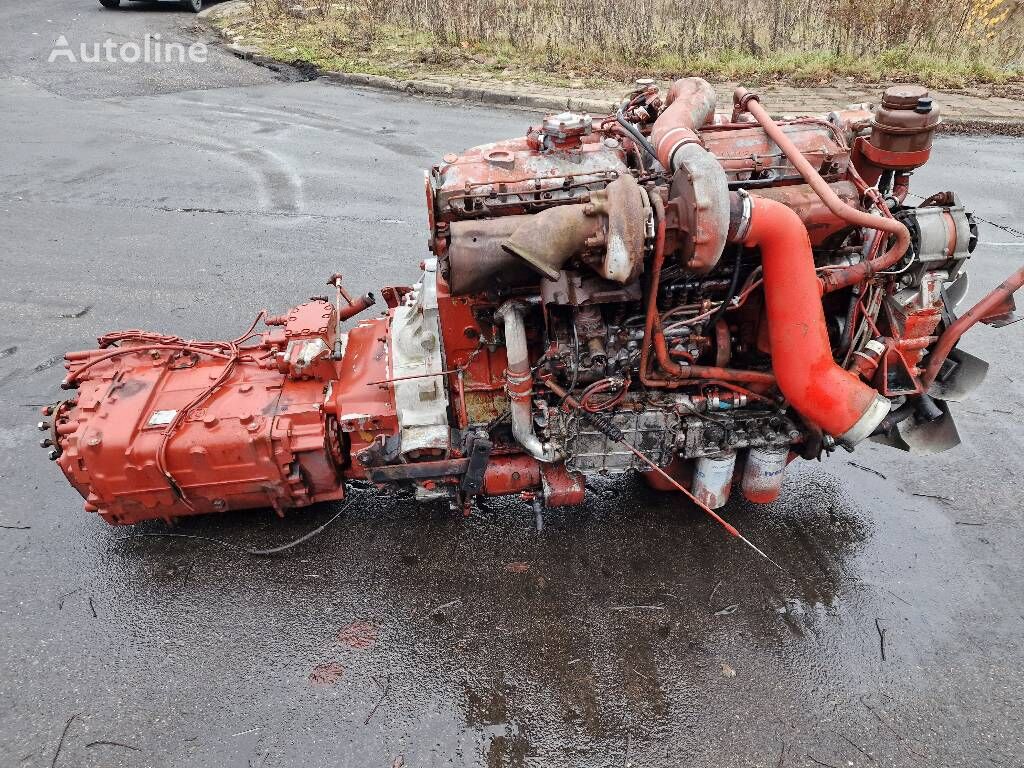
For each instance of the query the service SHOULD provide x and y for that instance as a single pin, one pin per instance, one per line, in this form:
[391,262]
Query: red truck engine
[700,296]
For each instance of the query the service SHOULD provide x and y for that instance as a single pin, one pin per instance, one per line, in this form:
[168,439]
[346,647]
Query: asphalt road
[185,198]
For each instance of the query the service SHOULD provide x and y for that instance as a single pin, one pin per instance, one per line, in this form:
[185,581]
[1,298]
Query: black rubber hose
[889,423]
[921,406]
[734,285]
[927,409]
[638,137]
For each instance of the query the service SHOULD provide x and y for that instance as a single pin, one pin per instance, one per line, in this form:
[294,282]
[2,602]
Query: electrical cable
[733,285]
[255,552]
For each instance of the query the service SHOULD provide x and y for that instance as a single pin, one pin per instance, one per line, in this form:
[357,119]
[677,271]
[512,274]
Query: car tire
[193,5]
[110,3]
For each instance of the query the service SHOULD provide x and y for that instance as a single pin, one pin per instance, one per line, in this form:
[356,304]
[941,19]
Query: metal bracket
[479,454]
[1003,315]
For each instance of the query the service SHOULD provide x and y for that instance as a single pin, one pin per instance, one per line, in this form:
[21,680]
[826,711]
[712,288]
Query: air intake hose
[816,386]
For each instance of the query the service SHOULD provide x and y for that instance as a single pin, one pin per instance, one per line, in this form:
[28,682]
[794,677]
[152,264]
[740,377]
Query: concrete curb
[982,125]
[547,103]
[507,97]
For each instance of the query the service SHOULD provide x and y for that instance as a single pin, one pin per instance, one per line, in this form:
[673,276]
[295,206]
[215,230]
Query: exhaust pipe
[612,223]
[548,239]
[691,105]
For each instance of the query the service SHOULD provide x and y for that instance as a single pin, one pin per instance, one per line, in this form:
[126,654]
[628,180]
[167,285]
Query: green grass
[332,42]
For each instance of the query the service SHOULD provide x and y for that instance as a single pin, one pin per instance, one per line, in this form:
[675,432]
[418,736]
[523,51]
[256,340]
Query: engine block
[710,293]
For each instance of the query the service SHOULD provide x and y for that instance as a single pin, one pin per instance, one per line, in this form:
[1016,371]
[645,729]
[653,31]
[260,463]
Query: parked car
[193,5]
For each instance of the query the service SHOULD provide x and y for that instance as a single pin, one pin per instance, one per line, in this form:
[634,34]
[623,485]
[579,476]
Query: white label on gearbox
[160,418]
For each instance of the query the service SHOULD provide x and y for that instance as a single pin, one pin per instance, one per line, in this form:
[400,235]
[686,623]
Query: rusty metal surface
[476,261]
[625,205]
[747,153]
[482,253]
[168,430]
[507,177]
[820,222]
[689,105]
[840,278]
[548,239]
[425,469]
[998,301]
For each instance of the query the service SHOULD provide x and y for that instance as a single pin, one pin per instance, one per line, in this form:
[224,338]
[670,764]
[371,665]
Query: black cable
[254,552]
[734,284]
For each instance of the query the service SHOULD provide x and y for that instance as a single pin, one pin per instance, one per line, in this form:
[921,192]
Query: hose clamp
[739,224]
[518,387]
[742,97]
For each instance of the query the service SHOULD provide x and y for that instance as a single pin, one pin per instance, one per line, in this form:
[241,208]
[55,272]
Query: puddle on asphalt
[492,643]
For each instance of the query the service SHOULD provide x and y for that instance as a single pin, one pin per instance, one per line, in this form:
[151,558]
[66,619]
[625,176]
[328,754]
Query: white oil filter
[712,479]
[764,473]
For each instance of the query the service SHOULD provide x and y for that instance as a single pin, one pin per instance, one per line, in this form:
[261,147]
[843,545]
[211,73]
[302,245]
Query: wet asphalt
[631,632]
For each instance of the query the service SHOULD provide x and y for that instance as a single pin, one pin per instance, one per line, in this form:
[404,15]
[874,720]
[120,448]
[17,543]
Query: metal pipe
[355,306]
[998,298]
[655,337]
[519,383]
[651,314]
[548,239]
[703,371]
[839,278]
[689,105]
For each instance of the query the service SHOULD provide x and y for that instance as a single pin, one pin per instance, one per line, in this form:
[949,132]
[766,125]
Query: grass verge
[363,38]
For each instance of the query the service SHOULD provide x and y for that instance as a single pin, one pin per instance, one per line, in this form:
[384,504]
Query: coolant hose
[519,383]
[689,104]
[847,276]
[816,386]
